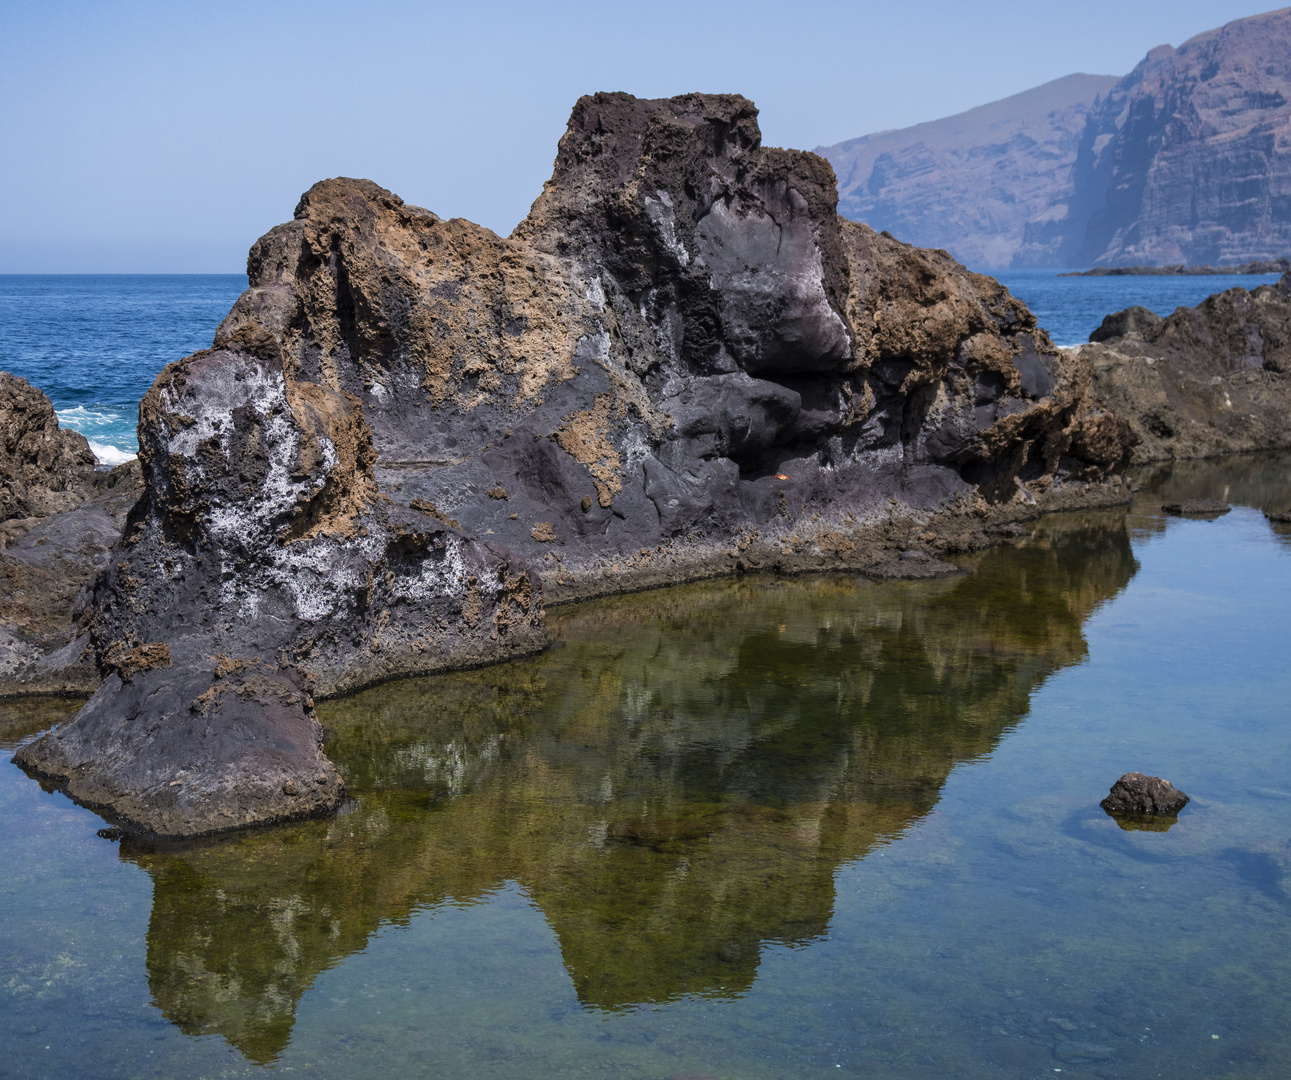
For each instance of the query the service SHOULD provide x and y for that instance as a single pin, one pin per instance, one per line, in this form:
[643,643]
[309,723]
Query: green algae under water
[746,828]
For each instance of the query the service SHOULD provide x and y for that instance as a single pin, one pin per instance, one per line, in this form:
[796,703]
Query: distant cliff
[1185,160]
[971,183]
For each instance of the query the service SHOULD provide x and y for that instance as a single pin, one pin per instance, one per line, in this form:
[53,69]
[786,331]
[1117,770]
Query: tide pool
[750,828]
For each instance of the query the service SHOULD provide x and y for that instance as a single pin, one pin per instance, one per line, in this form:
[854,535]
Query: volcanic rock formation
[43,468]
[682,363]
[59,517]
[1213,379]
[1135,793]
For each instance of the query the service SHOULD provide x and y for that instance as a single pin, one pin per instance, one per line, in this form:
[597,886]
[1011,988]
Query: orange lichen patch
[835,543]
[429,510]
[585,436]
[543,532]
[498,492]
[225,665]
[921,306]
[783,476]
[349,486]
[484,310]
[127,660]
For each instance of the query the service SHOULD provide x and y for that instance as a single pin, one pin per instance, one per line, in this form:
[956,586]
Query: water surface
[95,342]
[746,828]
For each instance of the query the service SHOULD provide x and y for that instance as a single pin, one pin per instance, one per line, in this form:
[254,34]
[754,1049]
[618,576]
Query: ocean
[95,342]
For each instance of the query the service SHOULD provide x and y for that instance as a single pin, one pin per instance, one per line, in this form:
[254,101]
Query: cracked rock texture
[682,363]
[1213,379]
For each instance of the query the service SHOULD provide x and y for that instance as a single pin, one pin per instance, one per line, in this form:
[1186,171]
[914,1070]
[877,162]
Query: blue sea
[94,343]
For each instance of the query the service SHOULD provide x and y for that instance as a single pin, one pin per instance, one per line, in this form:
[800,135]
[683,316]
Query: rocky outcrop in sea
[410,433]
[59,517]
[1208,380]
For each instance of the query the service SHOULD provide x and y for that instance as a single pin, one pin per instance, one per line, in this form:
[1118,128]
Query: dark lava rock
[44,469]
[59,518]
[682,363]
[1197,508]
[198,749]
[1133,320]
[1135,793]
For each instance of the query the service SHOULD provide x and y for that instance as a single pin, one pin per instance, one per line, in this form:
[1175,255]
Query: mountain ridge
[1187,159]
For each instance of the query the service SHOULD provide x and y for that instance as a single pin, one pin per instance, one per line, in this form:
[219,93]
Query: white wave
[79,417]
[109,455]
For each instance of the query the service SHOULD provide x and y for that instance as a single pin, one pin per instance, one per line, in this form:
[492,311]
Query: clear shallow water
[1070,308]
[94,343]
[748,828]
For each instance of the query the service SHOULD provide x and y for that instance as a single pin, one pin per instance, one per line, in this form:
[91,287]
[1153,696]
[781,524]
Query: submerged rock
[682,363]
[1213,379]
[1197,508]
[1135,793]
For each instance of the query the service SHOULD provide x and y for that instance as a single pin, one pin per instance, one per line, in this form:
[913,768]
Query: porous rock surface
[682,363]
[59,517]
[1212,379]
[44,469]
[1135,793]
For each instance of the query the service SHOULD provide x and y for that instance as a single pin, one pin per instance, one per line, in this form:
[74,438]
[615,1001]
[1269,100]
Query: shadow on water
[675,786]
[1260,871]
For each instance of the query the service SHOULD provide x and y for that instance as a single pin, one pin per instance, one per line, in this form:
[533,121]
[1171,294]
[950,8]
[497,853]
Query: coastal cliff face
[682,363]
[972,183]
[1184,160]
[1187,160]
[1212,379]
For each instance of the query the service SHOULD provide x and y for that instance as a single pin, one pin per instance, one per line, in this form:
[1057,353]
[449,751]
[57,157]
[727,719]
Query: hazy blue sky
[165,137]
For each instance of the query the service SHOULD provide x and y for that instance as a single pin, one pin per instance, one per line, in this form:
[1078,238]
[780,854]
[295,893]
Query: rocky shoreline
[1209,380]
[411,435]
[1258,266]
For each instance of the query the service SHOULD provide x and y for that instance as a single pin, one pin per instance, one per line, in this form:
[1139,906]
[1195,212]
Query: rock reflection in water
[674,786]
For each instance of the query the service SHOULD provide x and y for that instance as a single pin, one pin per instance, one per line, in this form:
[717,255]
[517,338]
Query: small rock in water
[113,832]
[1135,793]
[1283,518]
[1197,508]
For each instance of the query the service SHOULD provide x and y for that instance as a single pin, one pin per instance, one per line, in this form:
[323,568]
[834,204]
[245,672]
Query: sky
[140,137]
